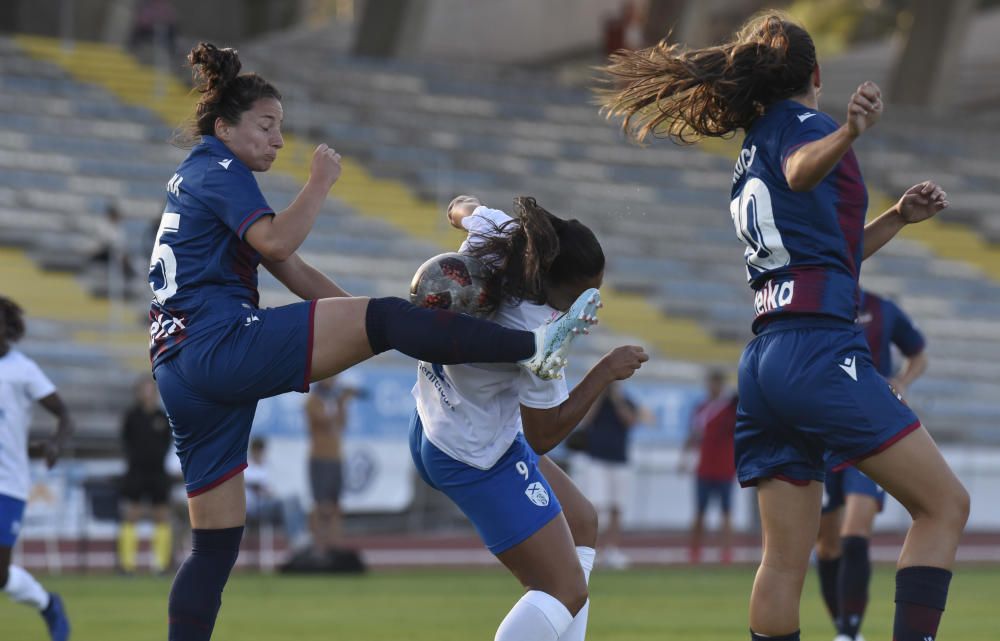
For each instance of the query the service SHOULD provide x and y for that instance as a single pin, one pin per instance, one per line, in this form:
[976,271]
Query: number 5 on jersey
[163,264]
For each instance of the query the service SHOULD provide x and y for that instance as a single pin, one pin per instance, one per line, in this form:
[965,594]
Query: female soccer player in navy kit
[807,384]
[215,353]
[852,499]
[481,431]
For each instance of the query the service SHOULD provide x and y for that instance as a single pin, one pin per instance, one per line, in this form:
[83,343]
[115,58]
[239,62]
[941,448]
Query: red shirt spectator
[715,421]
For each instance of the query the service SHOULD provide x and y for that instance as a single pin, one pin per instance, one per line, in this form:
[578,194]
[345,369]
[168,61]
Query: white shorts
[608,484]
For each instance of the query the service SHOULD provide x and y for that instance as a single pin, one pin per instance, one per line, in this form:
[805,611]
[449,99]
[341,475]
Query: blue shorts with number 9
[506,503]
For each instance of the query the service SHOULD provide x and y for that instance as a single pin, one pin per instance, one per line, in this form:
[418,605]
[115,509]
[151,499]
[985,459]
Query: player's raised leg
[364,327]
[790,521]
[939,506]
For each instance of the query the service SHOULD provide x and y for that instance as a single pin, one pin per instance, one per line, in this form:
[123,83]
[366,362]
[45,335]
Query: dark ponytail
[224,92]
[11,320]
[687,94]
[534,251]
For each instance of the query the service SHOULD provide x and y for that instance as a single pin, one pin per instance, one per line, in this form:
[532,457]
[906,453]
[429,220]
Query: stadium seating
[415,135]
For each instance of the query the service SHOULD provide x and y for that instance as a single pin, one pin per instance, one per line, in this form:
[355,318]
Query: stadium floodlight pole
[66,24]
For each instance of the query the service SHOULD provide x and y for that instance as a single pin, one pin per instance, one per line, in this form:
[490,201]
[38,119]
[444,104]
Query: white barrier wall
[663,498]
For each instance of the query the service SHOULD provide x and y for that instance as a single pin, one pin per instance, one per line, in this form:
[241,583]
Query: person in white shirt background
[481,431]
[22,384]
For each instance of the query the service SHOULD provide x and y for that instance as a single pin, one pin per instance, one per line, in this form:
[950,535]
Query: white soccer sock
[577,630]
[23,588]
[537,616]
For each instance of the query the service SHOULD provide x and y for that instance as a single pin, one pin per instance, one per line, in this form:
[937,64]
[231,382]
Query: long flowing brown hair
[686,94]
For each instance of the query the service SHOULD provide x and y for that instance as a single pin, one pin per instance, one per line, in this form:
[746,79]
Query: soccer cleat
[844,637]
[56,619]
[553,339]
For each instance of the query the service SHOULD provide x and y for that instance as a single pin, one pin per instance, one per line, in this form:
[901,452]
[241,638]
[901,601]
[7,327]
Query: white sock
[23,588]
[577,630]
[537,616]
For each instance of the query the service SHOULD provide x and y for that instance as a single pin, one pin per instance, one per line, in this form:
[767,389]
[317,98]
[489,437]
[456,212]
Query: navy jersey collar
[216,146]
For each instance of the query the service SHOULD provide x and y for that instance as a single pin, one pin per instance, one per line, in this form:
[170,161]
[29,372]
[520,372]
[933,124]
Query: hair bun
[213,67]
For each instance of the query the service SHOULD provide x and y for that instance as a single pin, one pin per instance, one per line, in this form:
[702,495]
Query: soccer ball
[454,282]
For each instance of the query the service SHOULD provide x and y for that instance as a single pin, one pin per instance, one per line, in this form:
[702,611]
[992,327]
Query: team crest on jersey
[773,296]
[536,492]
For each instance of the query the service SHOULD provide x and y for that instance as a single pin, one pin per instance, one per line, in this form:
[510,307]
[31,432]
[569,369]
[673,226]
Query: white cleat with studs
[552,340]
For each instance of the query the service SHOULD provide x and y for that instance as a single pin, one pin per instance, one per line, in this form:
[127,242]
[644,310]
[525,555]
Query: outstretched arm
[917,204]
[278,237]
[302,279]
[808,165]
[546,428]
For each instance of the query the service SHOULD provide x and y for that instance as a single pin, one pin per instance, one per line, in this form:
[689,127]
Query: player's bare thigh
[340,337]
[223,506]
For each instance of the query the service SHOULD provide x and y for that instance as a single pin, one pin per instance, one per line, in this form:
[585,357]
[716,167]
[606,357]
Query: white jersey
[22,384]
[472,412]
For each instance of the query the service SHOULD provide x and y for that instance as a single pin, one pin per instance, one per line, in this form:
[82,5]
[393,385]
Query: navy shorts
[11,514]
[811,398]
[707,489]
[211,386]
[850,481]
[506,503]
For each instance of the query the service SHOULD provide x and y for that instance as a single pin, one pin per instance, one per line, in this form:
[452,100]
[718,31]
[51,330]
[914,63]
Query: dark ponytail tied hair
[686,94]
[225,93]
[534,251]
[11,320]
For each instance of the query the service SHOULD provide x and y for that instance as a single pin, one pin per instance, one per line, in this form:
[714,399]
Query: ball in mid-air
[454,282]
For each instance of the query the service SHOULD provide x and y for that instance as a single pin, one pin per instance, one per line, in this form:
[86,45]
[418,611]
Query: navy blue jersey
[201,268]
[885,325]
[804,249]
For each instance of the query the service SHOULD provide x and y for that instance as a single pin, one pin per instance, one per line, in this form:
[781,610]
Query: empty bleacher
[423,133]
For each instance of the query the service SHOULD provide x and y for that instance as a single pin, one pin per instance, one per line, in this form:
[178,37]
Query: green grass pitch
[462,605]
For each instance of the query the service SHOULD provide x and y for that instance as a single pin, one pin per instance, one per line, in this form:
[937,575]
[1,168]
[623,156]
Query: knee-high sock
[163,546]
[196,595]
[921,593]
[852,586]
[23,588]
[128,546]
[829,573]
[537,616]
[577,630]
[442,337]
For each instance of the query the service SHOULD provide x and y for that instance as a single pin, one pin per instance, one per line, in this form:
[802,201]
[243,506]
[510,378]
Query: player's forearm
[913,369]
[881,230]
[302,279]
[811,163]
[549,433]
[290,227]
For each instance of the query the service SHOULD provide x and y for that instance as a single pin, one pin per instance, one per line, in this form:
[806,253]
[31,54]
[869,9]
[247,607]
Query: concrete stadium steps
[387,200]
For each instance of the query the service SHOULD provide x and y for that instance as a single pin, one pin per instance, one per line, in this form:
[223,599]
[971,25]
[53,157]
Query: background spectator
[263,506]
[326,410]
[156,21]
[602,471]
[712,426]
[146,440]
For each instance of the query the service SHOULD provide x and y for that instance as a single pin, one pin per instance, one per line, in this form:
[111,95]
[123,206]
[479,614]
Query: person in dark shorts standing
[145,440]
[326,410]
